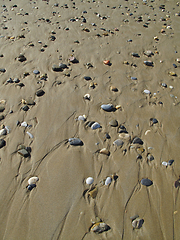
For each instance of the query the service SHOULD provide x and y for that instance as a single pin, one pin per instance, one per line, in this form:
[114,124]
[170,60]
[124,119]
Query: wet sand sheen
[60,205]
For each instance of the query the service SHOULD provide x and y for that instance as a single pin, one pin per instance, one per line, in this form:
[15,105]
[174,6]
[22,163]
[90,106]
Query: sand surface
[61,205]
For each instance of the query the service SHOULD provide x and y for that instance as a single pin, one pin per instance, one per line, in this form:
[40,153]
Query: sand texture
[41,35]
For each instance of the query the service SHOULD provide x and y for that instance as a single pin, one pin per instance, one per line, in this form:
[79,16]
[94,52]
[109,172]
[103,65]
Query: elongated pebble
[108,180]
[164,163]
[133,78]
[75,141]
[146,182]
[30,135]
[147,91]
[95,126]
[170,162]
[33,180]
[107,107]
[40,93]
[89,180]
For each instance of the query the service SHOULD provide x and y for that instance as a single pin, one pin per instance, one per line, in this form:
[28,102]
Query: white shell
[147,132]
[87,96]
[24,124]
[33,180]
[89,180]
[108,180]
[164,163]
[95,125]
[3,132]
[147,91]
[30,135]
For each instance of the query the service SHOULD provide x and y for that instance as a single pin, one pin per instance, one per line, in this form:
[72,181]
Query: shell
[106,62]
[99,227]
[3,132]
[82,118]
[30,135]
[95,126]
[107,107]
[89,180]
[108,180]
[104,151]
[147,132]
[87,96]
[33,180]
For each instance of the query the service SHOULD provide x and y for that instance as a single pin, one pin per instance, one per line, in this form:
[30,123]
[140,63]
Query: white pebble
[33,180]
[24,124]
[171,87]
[82,118]
[30,135]
[164,163]
[89,180]
[108,180]
[147,91]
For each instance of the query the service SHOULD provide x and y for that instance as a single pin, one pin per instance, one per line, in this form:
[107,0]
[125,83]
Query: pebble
[82,118]
[73,60]
[150,157]
[154,120]
[99,227]
[134,217]
[57,68]
[146,182]
[164,163]
[40,93]
[30,135]
[2,143]
[137,223]
[75,141]
[172,74]
[108,181]
[95,126]
[24,124]
[107,107]
[178,60]
[148,63]
[133,78]
[118,142]
[104,151]
[89,180]
[33,180]
[3,70]
[113,123]
[25,108]
[124,136]
[21,58]
[147,91]
[137,140]
[3,132]
[114,89]
[2,108]
[135,54]
[107,136]
[87,78]
[148,53]
[23,152]
[87,96]
[36,72]
[31,186]
[170,162]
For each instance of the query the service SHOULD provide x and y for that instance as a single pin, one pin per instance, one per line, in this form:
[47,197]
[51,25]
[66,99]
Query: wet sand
[61,205]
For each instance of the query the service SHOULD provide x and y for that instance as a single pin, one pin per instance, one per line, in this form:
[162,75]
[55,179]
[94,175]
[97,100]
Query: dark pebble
[40,93]
[164,85]
[20,85]
[16,80]
[107,136]
[2,70]
[23,152]
[146,182]
[133,78]
[90,123]
[154,120]
[107,107]
[75,141]
[87,78]
[137,140]
[21,58]
[52,38]
[170,162]
[135,54]
[25,108]
[31,186]
[57,68]
[9,80]
[2,108]
[1,117]
[174,65]
[1,55]
[2,143]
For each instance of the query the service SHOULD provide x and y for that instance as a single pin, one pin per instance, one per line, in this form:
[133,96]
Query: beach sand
[62,206]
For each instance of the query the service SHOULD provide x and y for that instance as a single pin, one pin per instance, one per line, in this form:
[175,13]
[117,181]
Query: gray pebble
[25,108]
[113,123]
[3,70]
[31,186]
[118,142]
[57,68]
[23,152]
[75,141]
[107,107]
[146,182]
[21,58]
[137,140]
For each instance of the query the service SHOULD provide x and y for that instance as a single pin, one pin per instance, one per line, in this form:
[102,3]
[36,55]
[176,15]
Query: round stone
[57,68]
[118,142]
[137,223]
[107,107]
[113,123]
[89,180]
[75,141]
[146,182]
[2,143]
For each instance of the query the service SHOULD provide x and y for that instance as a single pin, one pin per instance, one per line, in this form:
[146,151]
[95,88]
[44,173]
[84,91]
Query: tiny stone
[2,70]
[170,162]
[25,108]
[146,182]
[40,93]
[113,123]
[95,126]
[36,72]
[87,78]
[23,152]
[2,143]
[75,141]
[31,186]
[107,136]
[107,107]
[118,142]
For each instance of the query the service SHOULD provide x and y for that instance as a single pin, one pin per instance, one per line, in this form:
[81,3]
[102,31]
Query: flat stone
[23,152]
[107,107]
[99,227]
[2,108]
[137,140]
[30,102]
[40,93]
[113,123]
[146,182]
[148,63]
[36,72]
[75,141]
[118,142]
[2,143]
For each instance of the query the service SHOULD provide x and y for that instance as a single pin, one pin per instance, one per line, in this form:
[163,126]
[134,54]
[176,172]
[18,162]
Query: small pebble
[113,123]
[87,78]
[23,152]
[147,91]
[33,180]
[118,142]
[36,72]
[108,180]
[40,93]
[75,141]
[104,151]
[107,107]
[99,227]
[133,78]
[2,143]
[137,140]
[146,182]
[89,180]
[95,126]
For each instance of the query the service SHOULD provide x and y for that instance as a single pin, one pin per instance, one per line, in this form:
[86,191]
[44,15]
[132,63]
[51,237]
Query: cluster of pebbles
[125,141]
